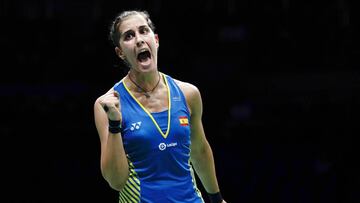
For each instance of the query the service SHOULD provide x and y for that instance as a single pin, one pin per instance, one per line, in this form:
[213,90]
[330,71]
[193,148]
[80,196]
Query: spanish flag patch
[184,121]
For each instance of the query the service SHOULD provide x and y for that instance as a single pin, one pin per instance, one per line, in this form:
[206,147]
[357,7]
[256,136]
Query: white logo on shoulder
[135,126]
[163,146]
[177,98]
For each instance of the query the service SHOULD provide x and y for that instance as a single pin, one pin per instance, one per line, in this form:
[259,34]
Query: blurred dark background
[280,83]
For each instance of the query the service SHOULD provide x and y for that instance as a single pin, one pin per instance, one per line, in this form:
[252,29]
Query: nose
[139,41]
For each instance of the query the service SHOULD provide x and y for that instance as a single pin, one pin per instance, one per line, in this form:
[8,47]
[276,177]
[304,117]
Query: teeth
[142,50]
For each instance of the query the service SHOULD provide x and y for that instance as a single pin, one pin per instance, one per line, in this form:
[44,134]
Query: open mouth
[144,55]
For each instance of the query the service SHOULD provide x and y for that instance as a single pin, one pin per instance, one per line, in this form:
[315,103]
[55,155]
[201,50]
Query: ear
[157,40]
[119,53]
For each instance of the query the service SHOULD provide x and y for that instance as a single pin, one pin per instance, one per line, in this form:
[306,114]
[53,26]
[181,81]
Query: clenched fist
[111,104]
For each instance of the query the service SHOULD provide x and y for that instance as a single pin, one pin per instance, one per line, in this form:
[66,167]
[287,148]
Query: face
[138,44]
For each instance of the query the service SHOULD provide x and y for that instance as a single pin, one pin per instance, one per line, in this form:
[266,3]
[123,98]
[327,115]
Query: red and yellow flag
[184,121]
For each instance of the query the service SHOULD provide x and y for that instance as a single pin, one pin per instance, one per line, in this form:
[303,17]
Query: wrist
[215,197]
[113,115]
[114,126]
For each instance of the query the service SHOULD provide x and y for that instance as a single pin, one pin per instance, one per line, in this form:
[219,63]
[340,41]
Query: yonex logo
[135,126]
[163,146]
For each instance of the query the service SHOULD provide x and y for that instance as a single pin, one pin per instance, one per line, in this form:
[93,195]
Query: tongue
[143,58]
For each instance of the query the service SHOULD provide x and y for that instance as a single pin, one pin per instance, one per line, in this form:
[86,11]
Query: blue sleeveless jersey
[157,146]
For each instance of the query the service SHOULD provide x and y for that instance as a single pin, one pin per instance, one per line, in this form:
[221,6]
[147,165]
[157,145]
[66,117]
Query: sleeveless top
[157,146]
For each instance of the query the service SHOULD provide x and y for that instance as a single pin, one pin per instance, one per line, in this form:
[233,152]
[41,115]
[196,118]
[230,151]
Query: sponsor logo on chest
[163,146]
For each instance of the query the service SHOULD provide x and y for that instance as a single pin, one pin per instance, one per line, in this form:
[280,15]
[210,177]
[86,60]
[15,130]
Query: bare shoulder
[192,96]
[97,101]
[190,91]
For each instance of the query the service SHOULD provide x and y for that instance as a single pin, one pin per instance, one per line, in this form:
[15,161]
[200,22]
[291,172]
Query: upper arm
[194,101]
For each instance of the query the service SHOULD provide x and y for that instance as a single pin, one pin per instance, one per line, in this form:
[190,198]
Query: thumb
[116,94]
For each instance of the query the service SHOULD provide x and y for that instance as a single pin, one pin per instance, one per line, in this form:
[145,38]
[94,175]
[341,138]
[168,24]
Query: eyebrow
[128,31]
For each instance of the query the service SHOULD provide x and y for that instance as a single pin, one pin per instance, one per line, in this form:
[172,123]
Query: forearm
[203,162]
[114,165]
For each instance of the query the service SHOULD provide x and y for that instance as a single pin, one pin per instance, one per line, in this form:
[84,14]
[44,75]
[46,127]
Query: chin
[146,69]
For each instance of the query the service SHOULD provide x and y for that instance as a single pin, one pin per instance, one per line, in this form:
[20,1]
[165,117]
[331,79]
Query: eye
[144,30]
[128,36]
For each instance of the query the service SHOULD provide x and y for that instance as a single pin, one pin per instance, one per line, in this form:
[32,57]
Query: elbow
[116,180]
[117,183]
[118,186]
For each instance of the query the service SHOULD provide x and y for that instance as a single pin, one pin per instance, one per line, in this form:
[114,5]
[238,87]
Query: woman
[150,125]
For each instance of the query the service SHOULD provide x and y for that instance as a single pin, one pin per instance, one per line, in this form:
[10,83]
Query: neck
[144,83]
[146,80]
